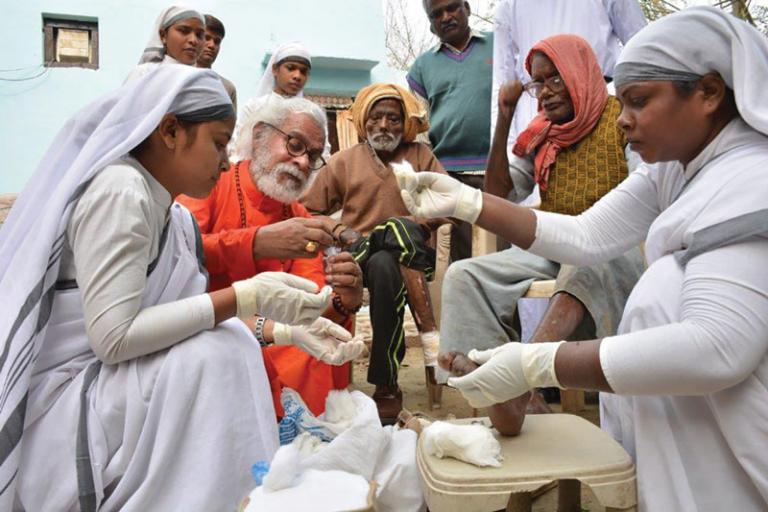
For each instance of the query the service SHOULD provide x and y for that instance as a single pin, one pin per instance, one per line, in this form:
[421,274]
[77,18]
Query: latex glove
[429,194]
[323,339]
[507,372]
[281,297]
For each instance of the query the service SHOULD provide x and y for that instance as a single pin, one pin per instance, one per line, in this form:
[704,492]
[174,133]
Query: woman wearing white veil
[688,371]
[177,38]
[123,385]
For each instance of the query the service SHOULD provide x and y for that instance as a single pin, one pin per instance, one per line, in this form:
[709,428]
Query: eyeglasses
[297,147]
[555,84]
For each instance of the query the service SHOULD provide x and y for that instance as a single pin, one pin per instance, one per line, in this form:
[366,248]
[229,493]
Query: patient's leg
[418,299]
[563,316]
[421,308]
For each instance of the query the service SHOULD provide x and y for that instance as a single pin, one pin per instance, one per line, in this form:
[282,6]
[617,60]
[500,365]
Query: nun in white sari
[122,386]
[156,51]
[688,370]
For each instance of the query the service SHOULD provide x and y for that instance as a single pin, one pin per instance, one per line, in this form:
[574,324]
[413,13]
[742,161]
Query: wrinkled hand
[345,276]
[507,372]
[281,297]
[288,239]
[509,95]
[429,194]
[323,339]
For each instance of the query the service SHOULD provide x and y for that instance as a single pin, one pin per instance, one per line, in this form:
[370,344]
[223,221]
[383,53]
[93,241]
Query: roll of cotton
[319,491]
[474,444]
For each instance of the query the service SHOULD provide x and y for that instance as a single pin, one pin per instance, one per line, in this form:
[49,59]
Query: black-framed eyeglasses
[297,147]
[554,82]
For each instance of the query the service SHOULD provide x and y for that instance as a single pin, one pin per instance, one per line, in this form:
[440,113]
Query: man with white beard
[251,223]
[394,253]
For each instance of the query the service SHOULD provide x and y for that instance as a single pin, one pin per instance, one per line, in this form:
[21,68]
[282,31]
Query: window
[71,41]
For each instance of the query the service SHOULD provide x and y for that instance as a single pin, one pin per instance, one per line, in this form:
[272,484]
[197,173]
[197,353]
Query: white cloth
[692,347]
[349,437]
[520,24]
[326,491]
[285,50]
[146,67]
[154,51]
[723,43]
[177,429]
[113,236]
[33,235]
[474,444]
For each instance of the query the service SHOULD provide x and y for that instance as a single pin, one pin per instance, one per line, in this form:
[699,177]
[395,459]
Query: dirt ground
[412,382]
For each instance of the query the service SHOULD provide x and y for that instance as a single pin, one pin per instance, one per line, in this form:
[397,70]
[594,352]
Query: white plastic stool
[559,448]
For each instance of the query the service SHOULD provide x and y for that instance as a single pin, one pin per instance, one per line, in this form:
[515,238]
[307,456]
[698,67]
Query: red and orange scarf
[578,67]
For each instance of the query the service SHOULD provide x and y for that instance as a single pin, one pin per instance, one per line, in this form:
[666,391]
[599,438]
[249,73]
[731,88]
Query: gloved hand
[323,339]
[507,372]
[429,194]
[281,297]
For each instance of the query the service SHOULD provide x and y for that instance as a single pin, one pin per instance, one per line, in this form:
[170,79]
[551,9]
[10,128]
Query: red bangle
[340,309]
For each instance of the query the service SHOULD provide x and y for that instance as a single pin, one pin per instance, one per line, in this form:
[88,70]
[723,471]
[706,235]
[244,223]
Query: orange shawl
[579,69]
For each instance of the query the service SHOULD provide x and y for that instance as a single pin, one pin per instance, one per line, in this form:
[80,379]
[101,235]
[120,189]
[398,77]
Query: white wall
[33,111]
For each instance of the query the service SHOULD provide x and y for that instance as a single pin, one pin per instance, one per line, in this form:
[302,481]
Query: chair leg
[520,502]
[568,496]
[434,390]
[572,400]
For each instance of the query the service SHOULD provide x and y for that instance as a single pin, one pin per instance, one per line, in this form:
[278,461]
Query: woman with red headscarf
[575,153]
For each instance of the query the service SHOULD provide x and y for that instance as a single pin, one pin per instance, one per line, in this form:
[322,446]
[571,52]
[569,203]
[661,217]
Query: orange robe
[229,219]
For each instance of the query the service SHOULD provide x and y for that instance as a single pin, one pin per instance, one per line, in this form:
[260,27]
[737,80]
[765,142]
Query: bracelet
[340,309]
[333,231]
[258,332]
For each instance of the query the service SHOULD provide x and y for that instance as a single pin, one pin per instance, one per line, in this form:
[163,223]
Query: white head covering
[32,237]
[282,52]
[691,43]
[155,49]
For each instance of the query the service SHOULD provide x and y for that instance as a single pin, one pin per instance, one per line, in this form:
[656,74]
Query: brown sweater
[358,183]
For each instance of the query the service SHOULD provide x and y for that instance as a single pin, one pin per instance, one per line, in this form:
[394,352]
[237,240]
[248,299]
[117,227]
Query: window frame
[57,21]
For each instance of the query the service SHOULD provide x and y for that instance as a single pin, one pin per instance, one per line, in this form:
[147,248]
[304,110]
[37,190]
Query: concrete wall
[32,111]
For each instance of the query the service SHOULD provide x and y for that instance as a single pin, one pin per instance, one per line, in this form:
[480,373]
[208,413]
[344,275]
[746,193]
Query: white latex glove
[429,194]
[281,297]
[323,339]
[507,372]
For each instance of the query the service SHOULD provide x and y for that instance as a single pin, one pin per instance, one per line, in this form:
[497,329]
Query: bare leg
[563,316]
[421,308]
[418,299]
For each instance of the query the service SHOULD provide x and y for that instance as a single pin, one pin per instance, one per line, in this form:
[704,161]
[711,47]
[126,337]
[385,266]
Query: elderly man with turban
[359,181]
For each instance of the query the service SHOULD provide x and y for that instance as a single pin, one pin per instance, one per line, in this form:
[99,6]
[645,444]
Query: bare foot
[506,417]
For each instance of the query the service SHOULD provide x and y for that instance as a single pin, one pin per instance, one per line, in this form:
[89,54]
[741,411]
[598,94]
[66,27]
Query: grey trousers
[479,301]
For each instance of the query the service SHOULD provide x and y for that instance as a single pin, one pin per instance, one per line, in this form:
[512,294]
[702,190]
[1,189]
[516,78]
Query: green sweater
[458,89]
